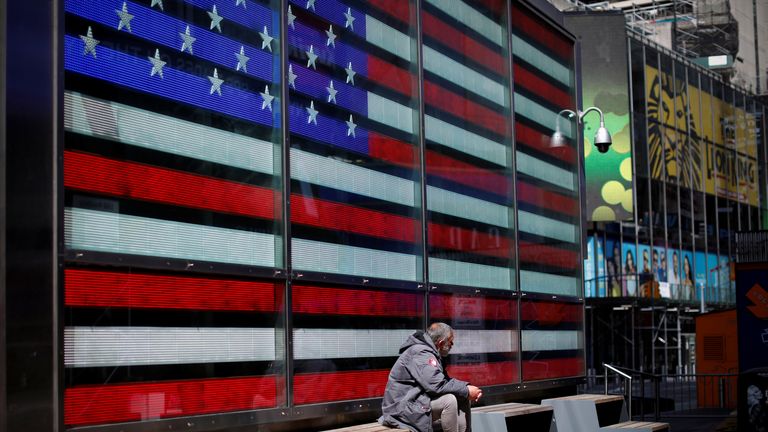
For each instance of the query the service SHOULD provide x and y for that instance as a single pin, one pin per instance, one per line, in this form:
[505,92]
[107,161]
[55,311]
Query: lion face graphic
[674,141]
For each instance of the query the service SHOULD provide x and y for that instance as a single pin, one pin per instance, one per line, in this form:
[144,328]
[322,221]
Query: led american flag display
[172,153]
[411,183]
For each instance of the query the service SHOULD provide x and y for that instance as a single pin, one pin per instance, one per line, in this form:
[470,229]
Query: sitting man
[419,391]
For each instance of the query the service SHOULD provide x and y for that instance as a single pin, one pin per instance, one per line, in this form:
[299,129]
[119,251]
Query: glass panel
[467,129]
[547,168]
[346,340]
[355,195]
[486,345]
[552,339]
[173,161]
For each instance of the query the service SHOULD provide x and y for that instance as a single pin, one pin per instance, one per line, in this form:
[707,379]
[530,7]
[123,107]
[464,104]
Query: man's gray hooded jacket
[416,378]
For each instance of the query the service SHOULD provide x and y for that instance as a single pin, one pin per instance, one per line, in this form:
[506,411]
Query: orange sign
[759,298]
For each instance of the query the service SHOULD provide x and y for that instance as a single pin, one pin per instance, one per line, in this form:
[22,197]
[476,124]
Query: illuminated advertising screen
[609,178]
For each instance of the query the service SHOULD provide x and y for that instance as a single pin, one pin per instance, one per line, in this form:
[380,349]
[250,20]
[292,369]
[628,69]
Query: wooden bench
[511,417]
[596,413]
[368,427]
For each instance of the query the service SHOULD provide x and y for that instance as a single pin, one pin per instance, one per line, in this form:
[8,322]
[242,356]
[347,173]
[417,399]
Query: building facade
[231,213]
[699,171]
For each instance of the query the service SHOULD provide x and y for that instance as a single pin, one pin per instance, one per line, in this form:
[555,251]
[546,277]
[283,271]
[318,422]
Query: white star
[267,103]
[331,92]
[215,19]
[157,2]
[266,40]
[291,77]
[90,43]
[312,57]
[215,82]
[241,2]
[331,37]
[310,4]
[242,60]
[350,74]
[350,20]
[188,41]
[157,64]
[351,126]
[291,18]
[125,18]
[312,113]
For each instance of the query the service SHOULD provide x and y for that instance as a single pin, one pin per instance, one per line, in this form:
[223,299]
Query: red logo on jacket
[432,362]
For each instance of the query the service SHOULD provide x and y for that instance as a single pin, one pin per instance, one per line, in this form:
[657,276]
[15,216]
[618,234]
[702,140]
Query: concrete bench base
[511,417]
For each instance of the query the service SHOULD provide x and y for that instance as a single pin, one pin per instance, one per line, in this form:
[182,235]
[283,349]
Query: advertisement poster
[589,269]
[752,316]
[613,263]
[629,263]
[687,285]
[701,272]
[600,257]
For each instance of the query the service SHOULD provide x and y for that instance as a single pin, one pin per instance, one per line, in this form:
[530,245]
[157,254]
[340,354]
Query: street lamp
[602,137]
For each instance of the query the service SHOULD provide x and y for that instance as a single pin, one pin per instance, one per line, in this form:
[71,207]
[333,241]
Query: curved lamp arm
[602,137]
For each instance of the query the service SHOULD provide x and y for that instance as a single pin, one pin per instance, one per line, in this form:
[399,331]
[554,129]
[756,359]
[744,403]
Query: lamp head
[557,140]
[602,139]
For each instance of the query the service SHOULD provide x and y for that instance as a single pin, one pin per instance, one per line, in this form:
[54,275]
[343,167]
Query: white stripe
[324,171]
[317,256]
[541,115]
[546,227]
[390,113]
[112,232]
[541,61]
[136,346]
[549,340]
[344,343]
[470,274]
[133,126]
[484,341]
[549,284]
[544,171]
[472,19]
[461,75]
[387,38]
[464,141]
[454,204]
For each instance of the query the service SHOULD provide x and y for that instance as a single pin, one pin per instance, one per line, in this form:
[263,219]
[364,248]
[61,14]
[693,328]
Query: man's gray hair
[438,331]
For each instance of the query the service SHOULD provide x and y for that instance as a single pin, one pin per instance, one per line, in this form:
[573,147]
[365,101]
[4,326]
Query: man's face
[444,346]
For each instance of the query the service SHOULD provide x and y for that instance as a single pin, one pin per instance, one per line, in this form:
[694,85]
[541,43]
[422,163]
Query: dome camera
[602,139]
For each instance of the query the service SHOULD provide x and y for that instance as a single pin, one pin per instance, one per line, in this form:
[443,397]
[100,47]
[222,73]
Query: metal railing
[657,395]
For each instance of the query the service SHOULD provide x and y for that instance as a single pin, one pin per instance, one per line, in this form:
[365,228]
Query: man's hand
[474,393]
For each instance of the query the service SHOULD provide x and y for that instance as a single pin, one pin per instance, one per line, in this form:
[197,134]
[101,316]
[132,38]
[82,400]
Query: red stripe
[542,88]
[92,288]
[337,386]
[541,32]
[469,240]
[464,108]
[450,306]
[392,150]
[344,217]
[543,198]
[536,140]
[552,368]
[461,172]
[137,181]
[463,44]
[317,300]
[552,314]
[549,255]
[485,374]
[391,76]
[101,404]
[396,9]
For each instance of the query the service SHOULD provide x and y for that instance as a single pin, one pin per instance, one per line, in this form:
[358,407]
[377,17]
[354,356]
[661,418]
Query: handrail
[626,377]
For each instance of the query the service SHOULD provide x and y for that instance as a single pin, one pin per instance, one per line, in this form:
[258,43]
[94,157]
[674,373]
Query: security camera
[602,139]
